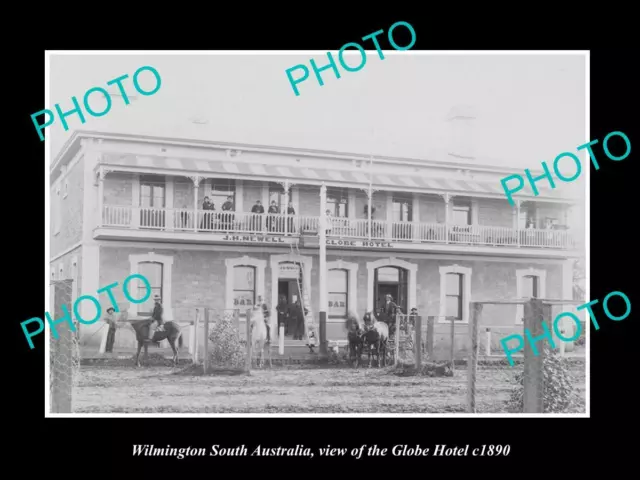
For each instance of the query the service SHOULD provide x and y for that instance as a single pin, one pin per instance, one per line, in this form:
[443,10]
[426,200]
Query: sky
[529,108]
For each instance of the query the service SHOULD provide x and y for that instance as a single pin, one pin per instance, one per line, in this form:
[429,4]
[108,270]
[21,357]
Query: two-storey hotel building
[440,234]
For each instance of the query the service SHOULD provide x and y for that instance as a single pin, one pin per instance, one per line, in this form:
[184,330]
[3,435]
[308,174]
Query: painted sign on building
[252,238]
[289,271]
[360,243]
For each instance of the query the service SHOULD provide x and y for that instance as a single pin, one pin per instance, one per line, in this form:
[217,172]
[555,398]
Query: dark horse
[354,336]
[171,333]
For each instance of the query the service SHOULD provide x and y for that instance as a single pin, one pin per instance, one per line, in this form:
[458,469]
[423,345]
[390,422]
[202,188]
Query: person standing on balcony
[207,220]
[273,210]
[329,222]
[291,212]
[256,222]
[227,218]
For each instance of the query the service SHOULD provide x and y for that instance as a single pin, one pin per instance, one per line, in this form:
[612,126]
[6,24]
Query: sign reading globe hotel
[270,239]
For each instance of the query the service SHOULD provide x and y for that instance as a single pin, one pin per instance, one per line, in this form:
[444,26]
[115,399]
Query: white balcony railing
[186,220]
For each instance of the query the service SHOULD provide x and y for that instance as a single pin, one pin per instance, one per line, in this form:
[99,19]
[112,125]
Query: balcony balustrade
[203,222]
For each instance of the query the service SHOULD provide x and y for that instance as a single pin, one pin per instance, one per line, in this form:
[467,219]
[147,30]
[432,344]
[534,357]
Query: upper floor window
[338,202]
[221,189]
[461,212]
[152,191]
[276,193]
[402,208]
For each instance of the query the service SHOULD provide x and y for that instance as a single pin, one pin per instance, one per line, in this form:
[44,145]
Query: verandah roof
[318,174]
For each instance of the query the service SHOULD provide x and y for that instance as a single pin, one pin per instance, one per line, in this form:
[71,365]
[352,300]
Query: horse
[259,336]
[376,336]
[355,338]
[171,333]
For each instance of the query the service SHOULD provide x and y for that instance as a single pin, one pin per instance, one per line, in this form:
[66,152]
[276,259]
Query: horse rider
[265,314]
[156,317]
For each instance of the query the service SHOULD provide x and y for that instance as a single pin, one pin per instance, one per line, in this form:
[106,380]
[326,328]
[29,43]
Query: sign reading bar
[253,238]
[360,243]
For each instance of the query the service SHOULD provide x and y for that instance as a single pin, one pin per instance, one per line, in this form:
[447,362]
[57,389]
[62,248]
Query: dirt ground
[122,389]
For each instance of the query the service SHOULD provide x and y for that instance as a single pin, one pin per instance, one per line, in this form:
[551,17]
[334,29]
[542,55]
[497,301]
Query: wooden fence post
[205,350]
[417,344]
[533,364]
[195,337]
[248,345]
[397,345]
[430,326]
[472,363]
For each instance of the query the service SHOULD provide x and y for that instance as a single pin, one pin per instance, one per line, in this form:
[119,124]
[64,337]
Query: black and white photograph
[279,233]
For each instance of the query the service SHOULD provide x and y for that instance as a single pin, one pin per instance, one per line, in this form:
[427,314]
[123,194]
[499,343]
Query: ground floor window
[531,283]
[454,296]
[338,283]
[455,293]
[153,272]
[244,286]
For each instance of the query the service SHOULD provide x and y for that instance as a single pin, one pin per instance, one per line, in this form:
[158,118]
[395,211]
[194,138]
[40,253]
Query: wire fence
[64,351]
[540,378]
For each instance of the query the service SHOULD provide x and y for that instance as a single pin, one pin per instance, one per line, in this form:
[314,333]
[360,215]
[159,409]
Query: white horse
[372,323]
[259,336]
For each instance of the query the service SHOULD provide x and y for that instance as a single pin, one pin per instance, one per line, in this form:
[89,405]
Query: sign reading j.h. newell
[359,243]
[255,239]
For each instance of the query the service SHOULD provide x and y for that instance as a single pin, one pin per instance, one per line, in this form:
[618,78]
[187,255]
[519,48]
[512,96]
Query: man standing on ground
[110,319]
[265,314]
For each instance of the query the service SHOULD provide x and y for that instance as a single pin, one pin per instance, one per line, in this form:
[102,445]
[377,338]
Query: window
[152,191]
[338,202]
[455,293]
[339,293]
[531,283]
[244,286]
[454,300]
[461,213]
[152,271]
[152,201]
[530,286]
[57,209]
[61,272]
[276,192]
[402,208]
[220,190]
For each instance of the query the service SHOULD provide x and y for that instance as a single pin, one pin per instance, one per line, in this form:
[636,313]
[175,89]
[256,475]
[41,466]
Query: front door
[392,281]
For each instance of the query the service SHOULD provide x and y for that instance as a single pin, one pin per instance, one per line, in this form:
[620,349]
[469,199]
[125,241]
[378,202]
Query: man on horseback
[156,317]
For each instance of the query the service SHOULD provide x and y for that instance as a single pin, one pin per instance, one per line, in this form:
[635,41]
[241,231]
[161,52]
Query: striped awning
[316,175]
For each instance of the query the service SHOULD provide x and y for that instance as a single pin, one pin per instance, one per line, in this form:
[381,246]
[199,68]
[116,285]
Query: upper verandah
[162,155]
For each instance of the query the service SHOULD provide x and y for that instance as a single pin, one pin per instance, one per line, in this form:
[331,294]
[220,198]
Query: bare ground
[106,389]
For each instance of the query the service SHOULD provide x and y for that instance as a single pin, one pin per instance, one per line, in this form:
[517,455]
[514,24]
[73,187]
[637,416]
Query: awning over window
[213,167]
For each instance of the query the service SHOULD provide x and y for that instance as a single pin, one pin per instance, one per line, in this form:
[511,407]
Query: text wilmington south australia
[217,451]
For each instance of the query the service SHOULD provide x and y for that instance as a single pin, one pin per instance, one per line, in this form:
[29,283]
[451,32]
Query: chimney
[461,120]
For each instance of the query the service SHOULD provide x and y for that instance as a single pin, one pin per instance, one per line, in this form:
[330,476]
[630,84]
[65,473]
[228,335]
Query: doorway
[390,281]
[289,275]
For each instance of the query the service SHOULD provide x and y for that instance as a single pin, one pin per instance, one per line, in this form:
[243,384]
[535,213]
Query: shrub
[559,392]
[226,347]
